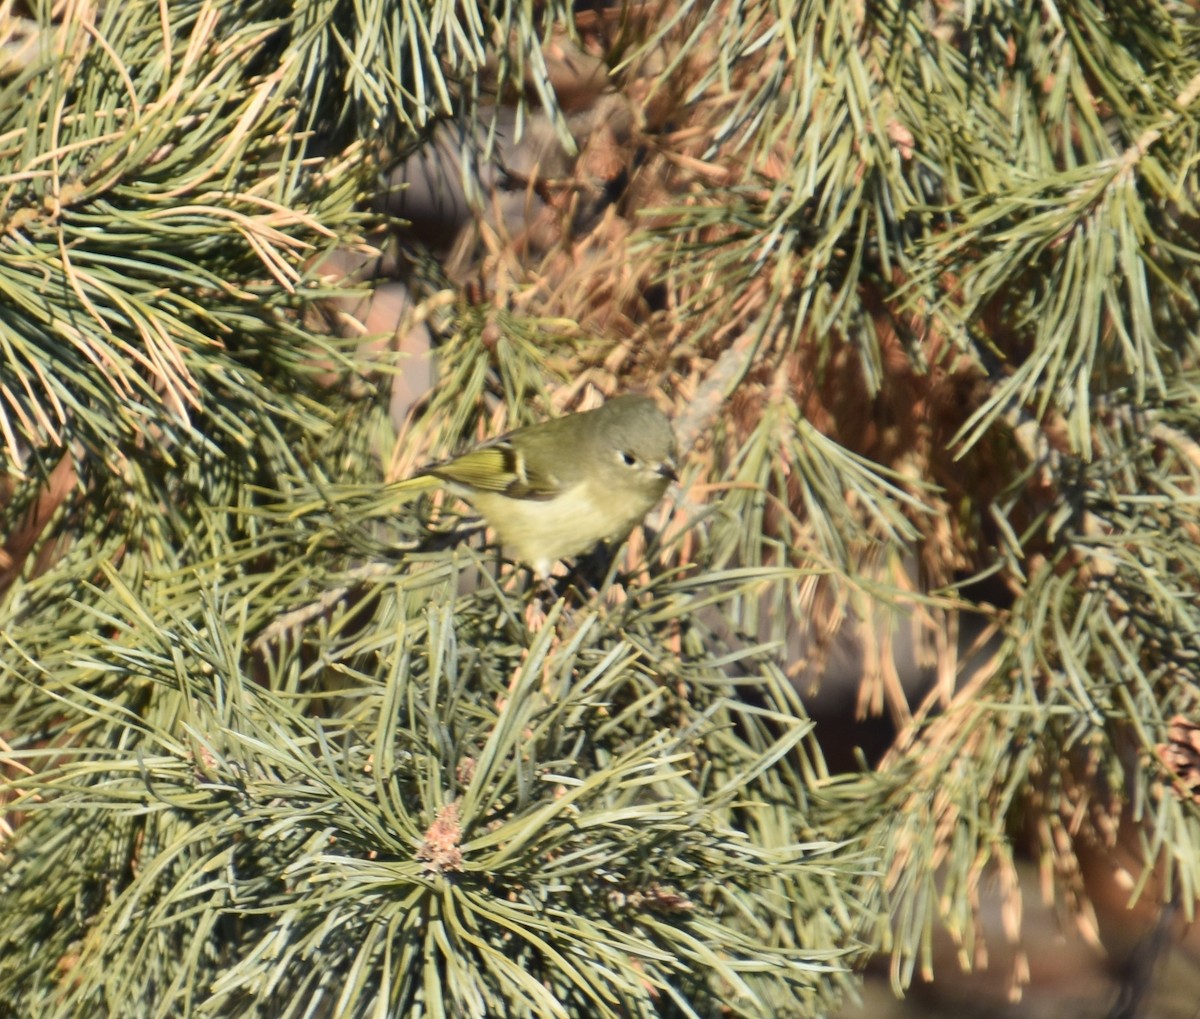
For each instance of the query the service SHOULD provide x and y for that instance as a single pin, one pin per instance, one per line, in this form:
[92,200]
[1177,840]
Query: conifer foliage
[918,283]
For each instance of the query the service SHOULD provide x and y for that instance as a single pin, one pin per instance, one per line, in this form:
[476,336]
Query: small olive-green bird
[556,489]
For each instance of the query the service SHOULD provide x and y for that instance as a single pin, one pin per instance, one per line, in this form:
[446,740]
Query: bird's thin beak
[667,470]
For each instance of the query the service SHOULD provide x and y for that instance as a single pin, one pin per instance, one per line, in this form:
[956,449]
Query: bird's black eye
[628,459]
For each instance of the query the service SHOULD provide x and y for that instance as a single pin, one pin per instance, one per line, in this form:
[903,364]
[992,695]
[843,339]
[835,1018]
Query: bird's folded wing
[497,468]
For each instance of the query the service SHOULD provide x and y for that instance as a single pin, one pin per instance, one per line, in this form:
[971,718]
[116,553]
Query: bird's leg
[593,572]
[544,591]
